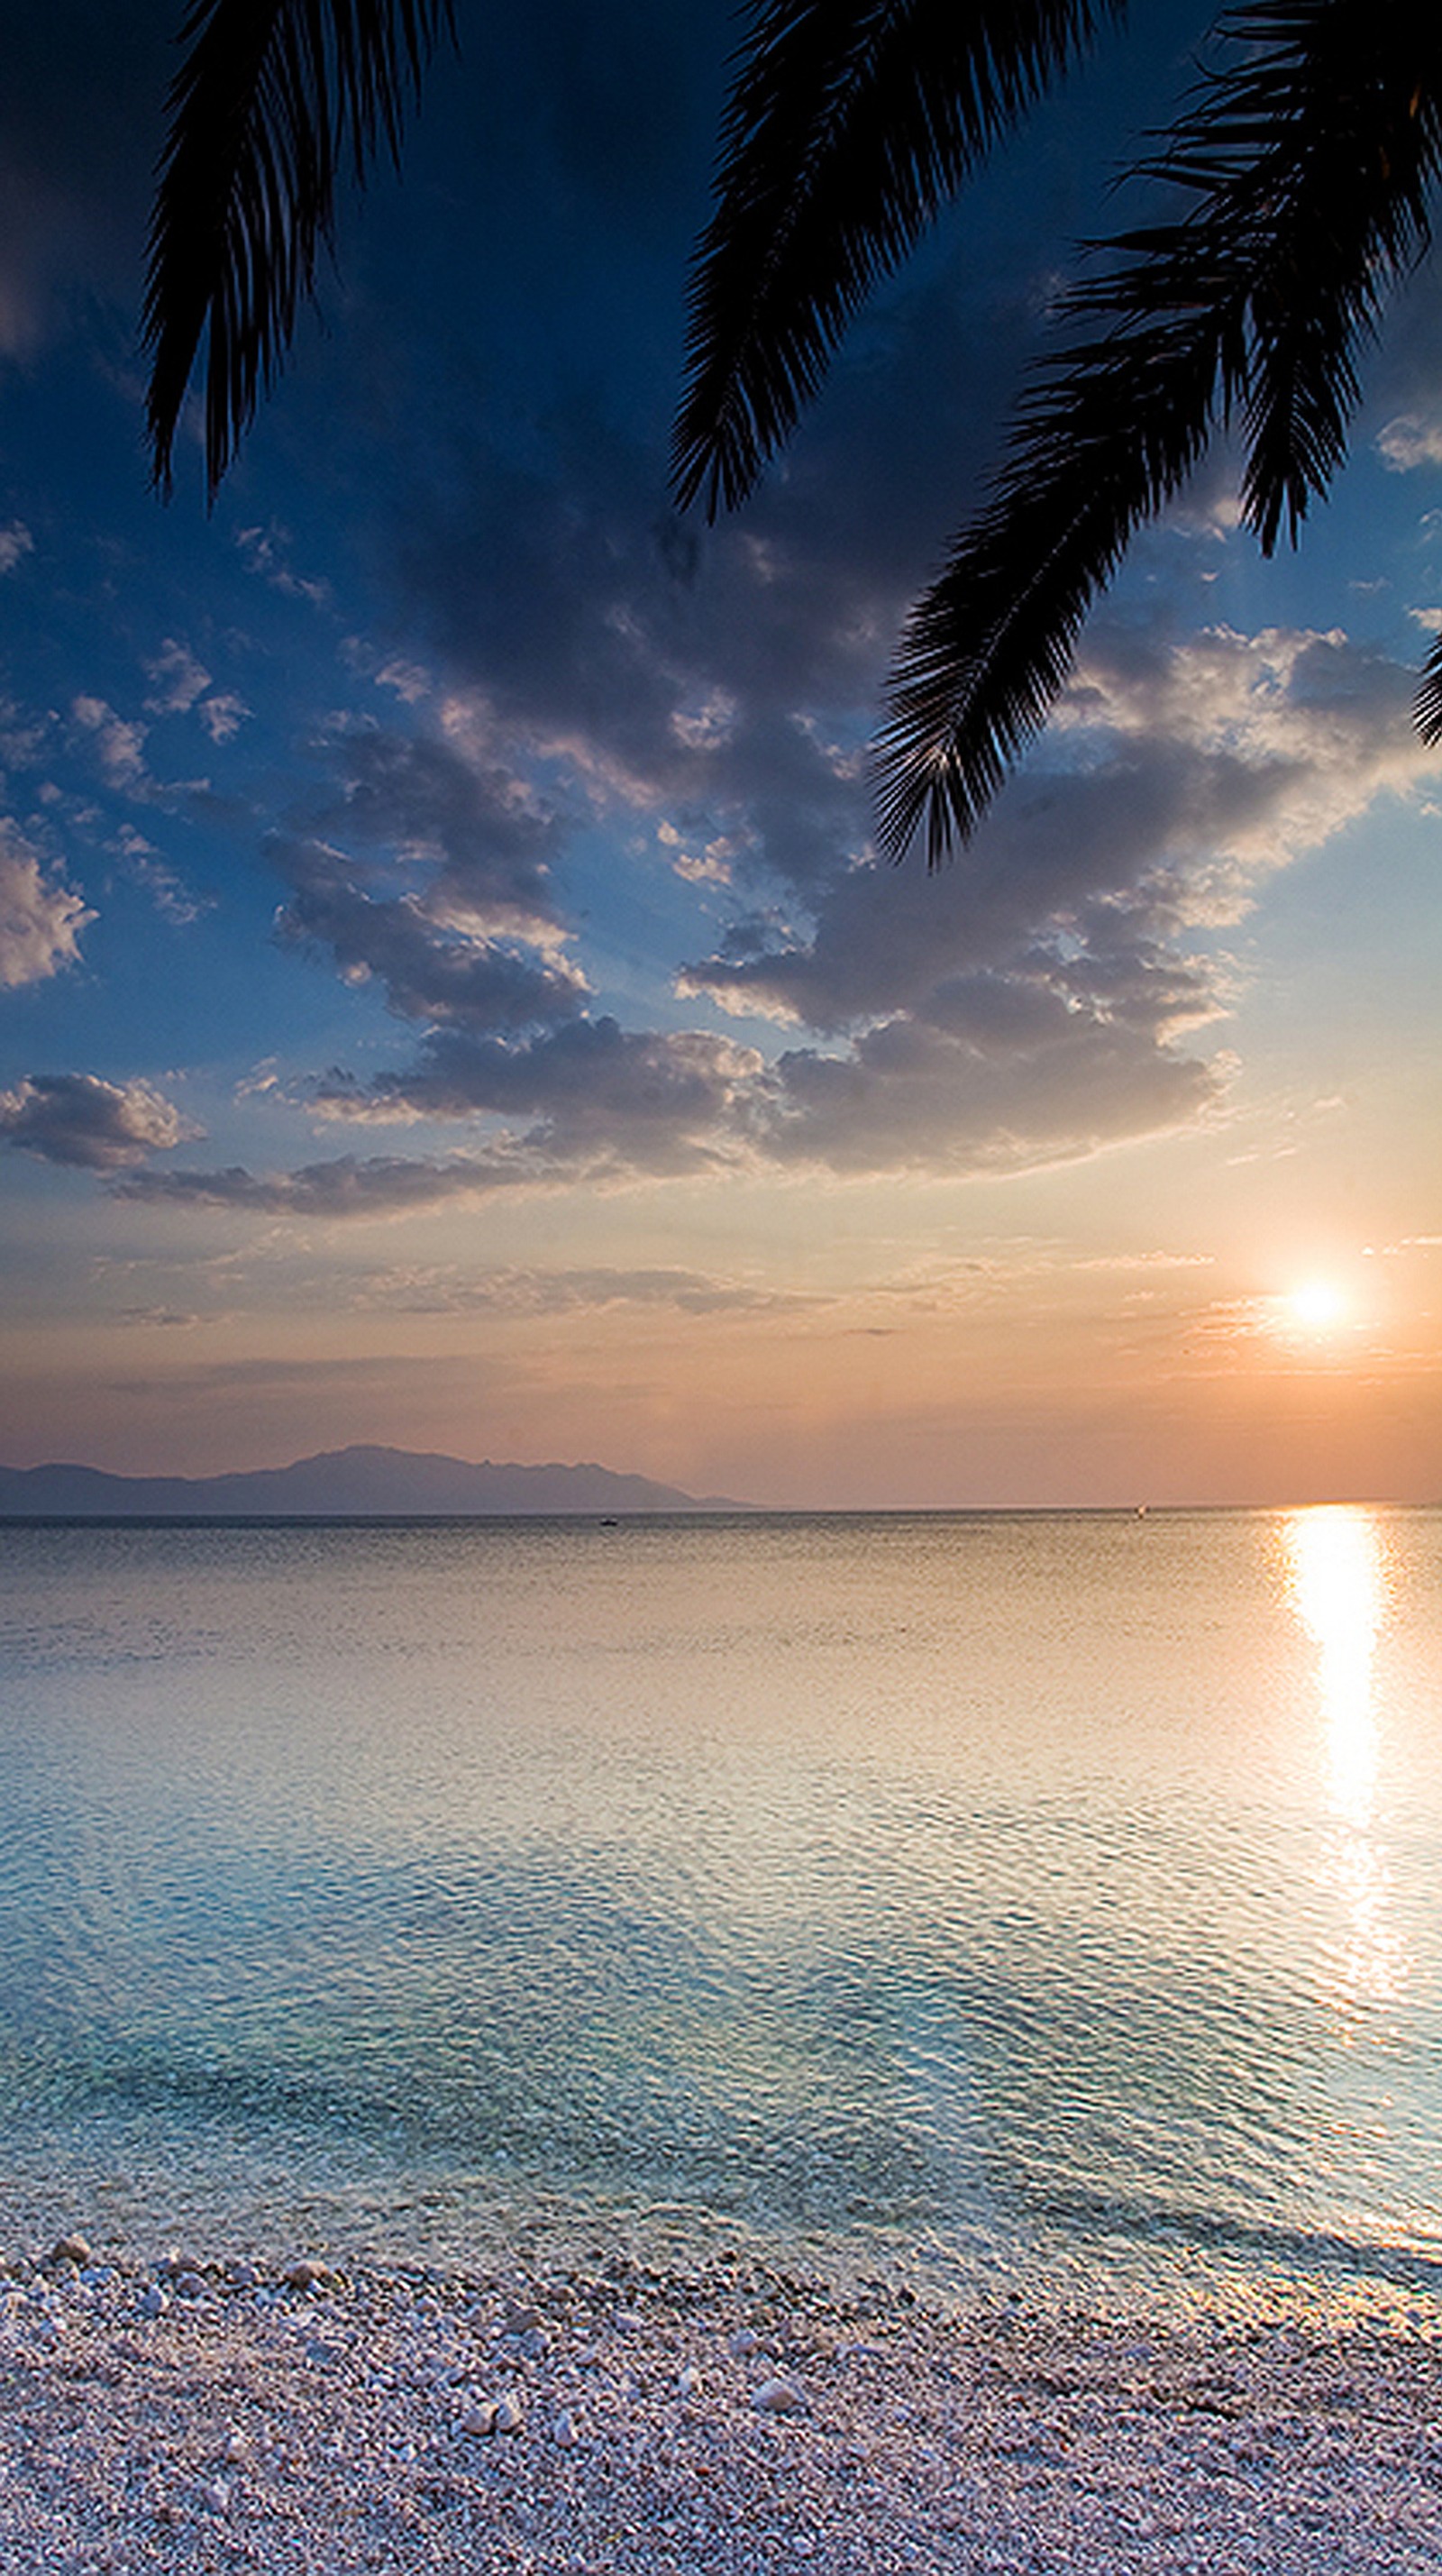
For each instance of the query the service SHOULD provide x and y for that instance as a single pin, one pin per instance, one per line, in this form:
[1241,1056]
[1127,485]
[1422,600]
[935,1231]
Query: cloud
[167,890]
[77,1120]
[15,542]
[41,918]
[222,714]
[435,962]
[266,551]
[446,1290]
[911,1096]
[1031,1000]
[1409,441]
[181,686]
[1034,1002]
[648,1102]
[386,1186]
[433,877]
[176,678]
[121,746]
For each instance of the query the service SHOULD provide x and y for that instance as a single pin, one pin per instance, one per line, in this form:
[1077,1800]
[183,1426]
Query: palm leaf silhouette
[1427,705]
[274,100]
[1305,163]
[849,127]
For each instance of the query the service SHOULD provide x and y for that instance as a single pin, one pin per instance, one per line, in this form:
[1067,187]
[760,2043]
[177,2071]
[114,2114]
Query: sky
[448,993]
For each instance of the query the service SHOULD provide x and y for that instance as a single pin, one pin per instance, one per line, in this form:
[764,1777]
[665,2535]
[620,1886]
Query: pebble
[215,2445]
[779,2397]
[153,2301]
[744,2340]
[308,2276]
[72,2249]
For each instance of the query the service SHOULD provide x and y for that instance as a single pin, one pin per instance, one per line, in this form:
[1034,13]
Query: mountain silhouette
[359,1483]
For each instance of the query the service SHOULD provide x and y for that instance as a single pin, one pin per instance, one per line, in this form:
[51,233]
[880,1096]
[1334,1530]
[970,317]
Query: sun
[1316,1306]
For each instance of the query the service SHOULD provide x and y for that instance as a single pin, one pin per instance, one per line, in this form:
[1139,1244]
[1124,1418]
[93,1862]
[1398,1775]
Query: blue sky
[447,992]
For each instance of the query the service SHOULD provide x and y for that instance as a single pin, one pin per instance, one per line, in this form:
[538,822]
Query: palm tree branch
[850,124]
[1316,150]
[1253,304]
[274,99]
[1105,443]
[1427,705]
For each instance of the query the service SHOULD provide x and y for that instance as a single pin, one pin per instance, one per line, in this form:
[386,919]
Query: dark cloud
[433,877]
[474,823]
[1031,1003]
[95,1126]
[387,1185]
[910,1097]
[80,128]
[432,969]
[1176,776]
[650,1102]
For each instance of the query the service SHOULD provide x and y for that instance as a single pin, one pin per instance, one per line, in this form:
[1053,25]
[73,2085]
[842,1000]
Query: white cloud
[1410,441]
[120,745]
[15,541]
[181,686]
[168,891]
[222,714]
[41,917]
[176,678]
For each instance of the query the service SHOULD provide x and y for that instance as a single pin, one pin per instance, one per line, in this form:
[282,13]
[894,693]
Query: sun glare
[1317,1306]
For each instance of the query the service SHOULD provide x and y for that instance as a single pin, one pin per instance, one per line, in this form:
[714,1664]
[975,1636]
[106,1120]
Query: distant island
[343,1484]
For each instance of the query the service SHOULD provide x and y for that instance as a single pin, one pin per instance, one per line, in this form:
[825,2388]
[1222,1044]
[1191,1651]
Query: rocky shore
[205,2415]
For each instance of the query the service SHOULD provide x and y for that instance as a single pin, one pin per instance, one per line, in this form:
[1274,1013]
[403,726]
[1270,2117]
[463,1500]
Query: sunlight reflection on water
[1054,1893]
[1337,1566]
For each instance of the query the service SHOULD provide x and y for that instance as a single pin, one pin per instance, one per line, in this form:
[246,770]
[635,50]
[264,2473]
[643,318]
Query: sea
[1037,1905]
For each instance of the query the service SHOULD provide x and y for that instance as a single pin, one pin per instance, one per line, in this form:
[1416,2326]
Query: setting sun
[1317,1306]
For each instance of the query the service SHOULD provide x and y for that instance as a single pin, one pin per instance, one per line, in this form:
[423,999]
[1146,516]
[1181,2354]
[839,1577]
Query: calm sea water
[1009,1899]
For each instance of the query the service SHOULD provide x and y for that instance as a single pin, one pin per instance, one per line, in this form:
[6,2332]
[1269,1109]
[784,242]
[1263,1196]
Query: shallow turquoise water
[1004,1897]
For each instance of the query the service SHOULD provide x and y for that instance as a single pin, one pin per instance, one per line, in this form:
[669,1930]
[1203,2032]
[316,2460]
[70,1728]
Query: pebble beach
[194,2414]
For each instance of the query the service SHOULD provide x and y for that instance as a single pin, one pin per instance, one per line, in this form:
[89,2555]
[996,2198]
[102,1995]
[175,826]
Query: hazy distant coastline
[343,1484]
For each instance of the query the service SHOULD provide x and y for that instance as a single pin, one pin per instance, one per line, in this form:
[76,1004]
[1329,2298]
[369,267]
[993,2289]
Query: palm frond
[1427,705]
[850,124]
[275,98]
[1308,164]
[1107,440]
[1316,152]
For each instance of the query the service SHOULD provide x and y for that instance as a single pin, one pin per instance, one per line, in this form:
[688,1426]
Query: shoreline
[205,2415]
